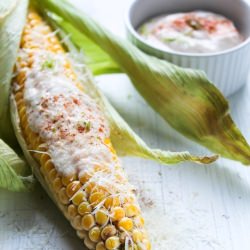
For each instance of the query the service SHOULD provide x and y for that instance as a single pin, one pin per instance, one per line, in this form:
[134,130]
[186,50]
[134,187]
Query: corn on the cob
[92,192]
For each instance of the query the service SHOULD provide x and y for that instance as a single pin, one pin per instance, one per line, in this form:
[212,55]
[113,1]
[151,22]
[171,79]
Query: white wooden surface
[199,207]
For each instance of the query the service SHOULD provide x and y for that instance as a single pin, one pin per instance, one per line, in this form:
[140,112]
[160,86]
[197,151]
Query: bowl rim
[141,40]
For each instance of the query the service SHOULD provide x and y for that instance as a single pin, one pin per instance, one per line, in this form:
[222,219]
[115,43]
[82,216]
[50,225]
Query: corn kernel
[72,188]
[134,247]
[77,222]
[117,213]
[44,159]
[139,221]
[145,245]
[82,234]
[89,244]
[95,234]
[57,184]
[52,174]
[90,187]
[67,179]
[88,221]
[101,217]
[100,246]
[84,208]
[137,235]
[108,231]
[21,77]
[78,197]
[63,196]
[48,166]
[72,210]
[112,202]
[131,210]
[112,243]
[96,197]
[125,224]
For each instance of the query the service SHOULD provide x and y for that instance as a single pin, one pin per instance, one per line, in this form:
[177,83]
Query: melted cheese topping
[198,32]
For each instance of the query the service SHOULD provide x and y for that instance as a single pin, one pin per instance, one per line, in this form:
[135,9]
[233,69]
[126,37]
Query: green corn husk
[14,172]
[10,34]
[184,98]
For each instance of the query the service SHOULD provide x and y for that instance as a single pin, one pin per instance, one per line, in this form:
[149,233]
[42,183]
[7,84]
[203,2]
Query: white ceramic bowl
[228,69]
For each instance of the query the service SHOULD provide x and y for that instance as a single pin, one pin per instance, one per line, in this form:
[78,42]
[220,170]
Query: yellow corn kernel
[96,197]
[21,77]
[22,109]
[90,187]
[63,196]
[89,244]
[100,246]
[84,177]
[79,197]
[145,245]
[72,188]
[72,210]
[84,208]
[112,202]
[125,224]
[82,234]
[108,231]
[101,217]
[68,179]
[52,174]
[137,235]
[57,184]
[117,213]
[44,158]
[134,247]
[77,222]
[139,221]
[131,210]
[88,221]
[47,167]
[112,243]
[95,234]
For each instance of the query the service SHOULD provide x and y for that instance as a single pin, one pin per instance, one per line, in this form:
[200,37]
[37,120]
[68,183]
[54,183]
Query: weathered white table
[199,207]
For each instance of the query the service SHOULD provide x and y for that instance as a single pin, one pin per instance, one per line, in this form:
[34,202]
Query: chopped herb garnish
[195,24]
[53,130]
[143,30]
[84,126]
[169,39]
[87,126]
[48,64]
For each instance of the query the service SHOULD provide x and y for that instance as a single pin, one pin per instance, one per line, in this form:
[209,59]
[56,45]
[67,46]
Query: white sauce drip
[197,32]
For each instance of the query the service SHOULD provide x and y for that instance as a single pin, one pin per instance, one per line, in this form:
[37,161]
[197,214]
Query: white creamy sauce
[197,32]
[68,120]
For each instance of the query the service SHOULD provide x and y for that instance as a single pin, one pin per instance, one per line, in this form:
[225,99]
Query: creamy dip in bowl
[218,44]
[197,31]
